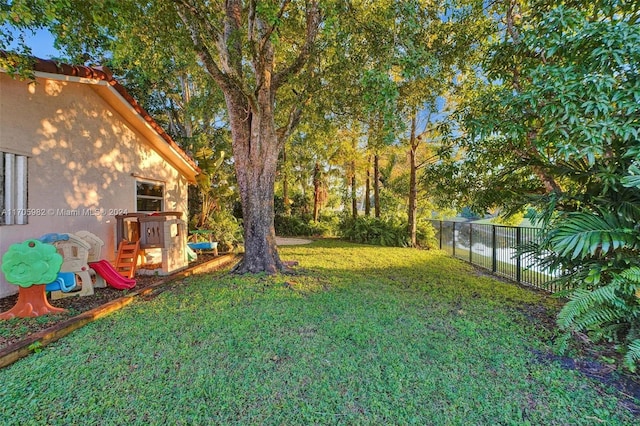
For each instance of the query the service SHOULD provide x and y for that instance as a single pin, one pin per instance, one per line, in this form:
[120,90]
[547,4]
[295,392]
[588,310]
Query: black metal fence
[494,247]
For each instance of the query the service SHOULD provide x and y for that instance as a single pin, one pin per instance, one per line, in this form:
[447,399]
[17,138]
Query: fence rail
[494,247]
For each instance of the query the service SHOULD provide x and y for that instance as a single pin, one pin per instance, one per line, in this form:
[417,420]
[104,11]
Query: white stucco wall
[83,156]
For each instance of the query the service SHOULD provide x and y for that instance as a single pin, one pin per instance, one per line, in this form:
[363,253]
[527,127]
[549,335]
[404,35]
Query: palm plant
[597,246]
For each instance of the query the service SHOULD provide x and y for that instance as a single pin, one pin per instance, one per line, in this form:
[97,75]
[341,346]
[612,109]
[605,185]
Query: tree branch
[230,44]
[313,27]
[251,31]
[267,35]
[426,161]
[183,9]
[228,82]
[285,131]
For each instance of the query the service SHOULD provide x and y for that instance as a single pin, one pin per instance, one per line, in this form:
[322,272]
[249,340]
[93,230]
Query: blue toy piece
[65,282]
[202,246]
[53,237]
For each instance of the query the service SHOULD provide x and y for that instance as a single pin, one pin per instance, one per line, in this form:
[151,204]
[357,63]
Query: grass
[509,270]
[361,335]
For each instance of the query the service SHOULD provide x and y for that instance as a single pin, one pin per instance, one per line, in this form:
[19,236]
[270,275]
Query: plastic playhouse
[67,264]
[162,240]
[81,252]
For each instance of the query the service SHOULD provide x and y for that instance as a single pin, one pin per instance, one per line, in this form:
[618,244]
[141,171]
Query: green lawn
[362,335]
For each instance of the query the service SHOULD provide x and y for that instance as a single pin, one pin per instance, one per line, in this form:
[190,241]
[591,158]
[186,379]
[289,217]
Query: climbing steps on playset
[127,258]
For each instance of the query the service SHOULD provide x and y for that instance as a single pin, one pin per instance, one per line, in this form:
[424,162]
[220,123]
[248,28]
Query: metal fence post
[519,258]
[494,250]
[506,240]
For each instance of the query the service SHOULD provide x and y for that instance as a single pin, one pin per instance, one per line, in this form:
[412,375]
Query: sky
[41,44]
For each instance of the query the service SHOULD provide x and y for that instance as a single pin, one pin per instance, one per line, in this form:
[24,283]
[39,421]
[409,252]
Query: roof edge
[103,73]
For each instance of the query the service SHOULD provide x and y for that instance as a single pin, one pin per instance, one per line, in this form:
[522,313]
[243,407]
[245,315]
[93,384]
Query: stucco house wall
[86,150]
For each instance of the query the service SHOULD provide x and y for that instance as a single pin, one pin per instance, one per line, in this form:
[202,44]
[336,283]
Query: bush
[227,230]
[295,226]
[368,230]
[426,235]
[290,226]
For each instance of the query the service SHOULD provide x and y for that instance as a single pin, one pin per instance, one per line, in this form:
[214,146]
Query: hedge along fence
[494,247]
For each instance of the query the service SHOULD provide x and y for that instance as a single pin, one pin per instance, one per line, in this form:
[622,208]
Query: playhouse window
[149,196]
[13,189]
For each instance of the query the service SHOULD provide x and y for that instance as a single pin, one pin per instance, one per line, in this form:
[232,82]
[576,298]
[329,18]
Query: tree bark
[285,184]
[354,198]
[367,190]
[376,185]
[316,191]
[255,148]
[413,190]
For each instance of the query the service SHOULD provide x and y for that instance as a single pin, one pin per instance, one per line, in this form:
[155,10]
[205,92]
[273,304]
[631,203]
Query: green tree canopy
[553,118]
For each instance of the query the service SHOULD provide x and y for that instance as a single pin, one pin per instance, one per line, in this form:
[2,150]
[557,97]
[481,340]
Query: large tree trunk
[255,148]
[413,189]
[376,185]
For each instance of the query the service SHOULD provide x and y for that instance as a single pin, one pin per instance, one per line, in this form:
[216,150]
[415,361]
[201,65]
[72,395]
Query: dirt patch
[286,241]
[628,385]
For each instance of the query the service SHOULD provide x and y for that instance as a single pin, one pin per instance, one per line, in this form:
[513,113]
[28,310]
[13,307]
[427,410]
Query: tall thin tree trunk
[367,190]
[354,197]
[316,191]
[186,99]
[413,190]
[376,185]
[285,184]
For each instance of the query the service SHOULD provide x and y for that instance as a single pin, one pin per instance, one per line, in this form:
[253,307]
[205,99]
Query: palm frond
[633,179]
[631,274]
[596,317]
[632,357]
[582,234]
[585,302]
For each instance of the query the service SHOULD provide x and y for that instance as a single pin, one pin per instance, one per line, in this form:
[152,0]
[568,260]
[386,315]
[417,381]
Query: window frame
[13,188]
[151,197]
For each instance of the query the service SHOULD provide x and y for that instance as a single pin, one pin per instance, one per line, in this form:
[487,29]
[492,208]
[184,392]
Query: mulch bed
[16,329]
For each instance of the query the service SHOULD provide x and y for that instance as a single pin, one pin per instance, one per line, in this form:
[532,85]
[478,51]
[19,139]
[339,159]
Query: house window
[149,196]
[13,189]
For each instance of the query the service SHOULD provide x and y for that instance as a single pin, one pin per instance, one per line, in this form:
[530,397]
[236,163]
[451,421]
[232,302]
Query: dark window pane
[149,205]
[150,189]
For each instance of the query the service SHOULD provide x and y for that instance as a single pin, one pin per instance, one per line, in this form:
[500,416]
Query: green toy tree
[31,265]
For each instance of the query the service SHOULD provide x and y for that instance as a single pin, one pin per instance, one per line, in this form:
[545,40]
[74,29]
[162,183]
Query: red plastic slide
[111,276]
